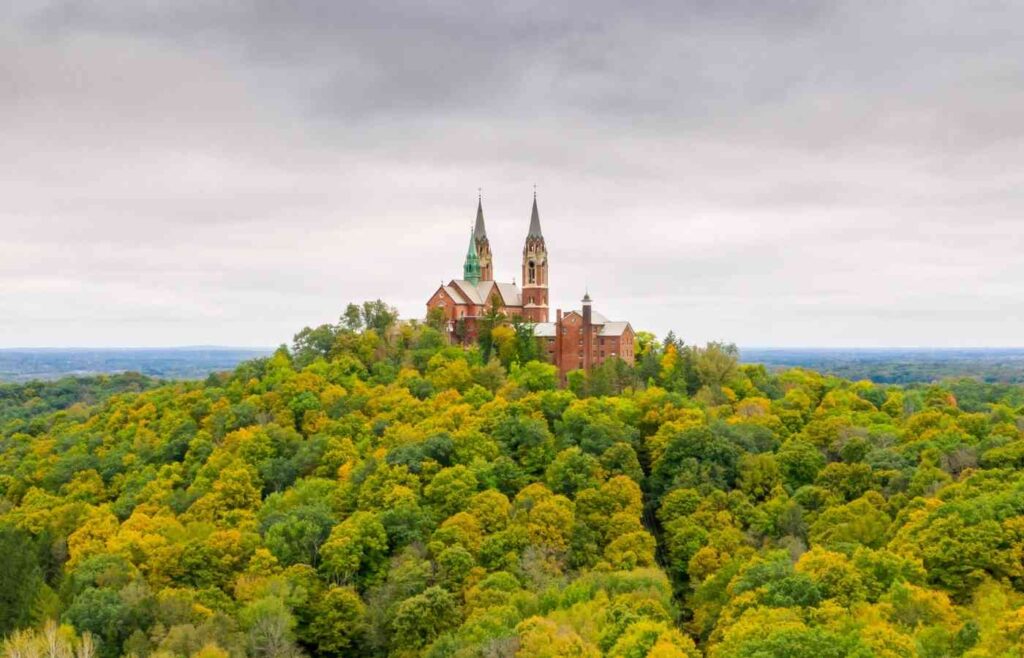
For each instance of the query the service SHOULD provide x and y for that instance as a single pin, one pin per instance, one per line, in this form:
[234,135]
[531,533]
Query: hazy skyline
[766,173]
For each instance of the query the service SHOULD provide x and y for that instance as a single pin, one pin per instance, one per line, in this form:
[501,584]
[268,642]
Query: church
[578,339]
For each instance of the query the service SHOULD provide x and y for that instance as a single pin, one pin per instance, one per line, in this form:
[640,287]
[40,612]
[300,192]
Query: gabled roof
[614,329]
[510,294]
[469,291]
[595,317]
[544,330]
[455,294]
[479,294]
[548,329]
[485,288]
[607,327]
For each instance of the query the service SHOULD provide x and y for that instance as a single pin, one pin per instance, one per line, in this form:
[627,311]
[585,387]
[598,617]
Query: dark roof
[535,222]
[480,232]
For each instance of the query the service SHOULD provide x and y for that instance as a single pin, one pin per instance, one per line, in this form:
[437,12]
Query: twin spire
[480,230]
[472,268]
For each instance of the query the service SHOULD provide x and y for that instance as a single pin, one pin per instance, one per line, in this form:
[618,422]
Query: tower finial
[534,191]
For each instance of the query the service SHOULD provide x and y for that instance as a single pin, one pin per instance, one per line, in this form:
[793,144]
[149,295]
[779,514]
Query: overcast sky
[177,172]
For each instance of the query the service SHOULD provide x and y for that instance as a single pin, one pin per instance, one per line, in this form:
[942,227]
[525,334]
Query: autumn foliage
[373,491]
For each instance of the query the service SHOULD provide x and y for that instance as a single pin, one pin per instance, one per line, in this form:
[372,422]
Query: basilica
[577,339]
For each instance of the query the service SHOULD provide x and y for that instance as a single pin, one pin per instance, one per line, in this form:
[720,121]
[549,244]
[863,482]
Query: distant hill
[21,365]
[898,365]
[881,365]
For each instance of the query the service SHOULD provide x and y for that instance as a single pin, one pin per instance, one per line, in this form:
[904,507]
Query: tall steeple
[471,268]
[535,270]
[483,245]
[534,231]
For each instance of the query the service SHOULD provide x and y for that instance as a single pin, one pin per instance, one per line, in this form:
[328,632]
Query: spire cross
[534,191]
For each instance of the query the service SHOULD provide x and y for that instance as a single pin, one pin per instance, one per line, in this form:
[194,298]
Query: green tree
[20,578]
[571,471]
[450,490]
[800,462]
[421,618]
[312,343]
[269,627]
[104,614]
[338,626]
[535,376]
[488,322]
[527,346]
[356,549]
[716,364]
[379,317]
[352,318]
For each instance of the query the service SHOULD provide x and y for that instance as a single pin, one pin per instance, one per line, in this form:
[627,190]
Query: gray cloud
[770,173]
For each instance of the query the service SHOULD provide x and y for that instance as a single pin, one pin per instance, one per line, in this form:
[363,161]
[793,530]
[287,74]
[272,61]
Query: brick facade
[577,340]
[580,340]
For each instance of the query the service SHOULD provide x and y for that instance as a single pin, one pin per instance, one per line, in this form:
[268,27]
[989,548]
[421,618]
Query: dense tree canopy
[373,491]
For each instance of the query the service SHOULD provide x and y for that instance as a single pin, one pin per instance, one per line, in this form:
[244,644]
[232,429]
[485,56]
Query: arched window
[531,270]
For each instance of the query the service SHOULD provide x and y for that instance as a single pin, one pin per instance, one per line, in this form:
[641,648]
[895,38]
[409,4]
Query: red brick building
[576,340]
[585,338]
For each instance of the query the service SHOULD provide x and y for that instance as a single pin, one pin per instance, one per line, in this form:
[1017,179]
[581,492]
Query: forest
[899,365]
[371,491]
[36,399]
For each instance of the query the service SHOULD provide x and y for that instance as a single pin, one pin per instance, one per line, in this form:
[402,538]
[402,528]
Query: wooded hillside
[374,492]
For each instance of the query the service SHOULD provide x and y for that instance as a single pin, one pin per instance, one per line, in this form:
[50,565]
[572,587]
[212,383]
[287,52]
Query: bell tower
[483,245]
[535,270]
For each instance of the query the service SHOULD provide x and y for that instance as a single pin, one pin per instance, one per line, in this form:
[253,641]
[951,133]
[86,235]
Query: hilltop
[374,491]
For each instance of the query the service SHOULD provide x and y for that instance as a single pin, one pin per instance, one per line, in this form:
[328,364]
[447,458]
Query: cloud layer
[784,173]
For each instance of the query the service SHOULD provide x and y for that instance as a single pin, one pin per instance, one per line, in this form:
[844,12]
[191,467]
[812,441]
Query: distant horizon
[126,348]
[271,348]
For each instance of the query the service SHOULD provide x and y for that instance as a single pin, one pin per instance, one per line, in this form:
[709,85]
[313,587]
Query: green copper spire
[471,269]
